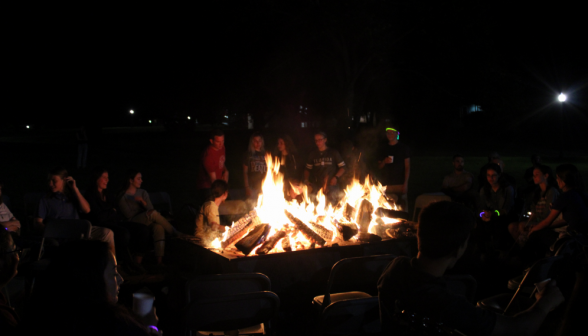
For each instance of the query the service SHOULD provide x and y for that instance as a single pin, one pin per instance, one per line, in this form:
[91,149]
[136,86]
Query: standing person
[135,205]
[327,166]
[212,166]
[254,166]
[127,235]
[208,220]
[419,286]
[459,184]
[286,152]
[65,201]
[7,219]
[394,164]
[9,259]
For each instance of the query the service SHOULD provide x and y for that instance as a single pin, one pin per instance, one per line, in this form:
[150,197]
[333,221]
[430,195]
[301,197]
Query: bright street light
[132,112]
[562,97]
[188,117]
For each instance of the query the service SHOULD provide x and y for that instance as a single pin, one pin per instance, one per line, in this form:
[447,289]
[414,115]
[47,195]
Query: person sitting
[418,285]
[65,201]
[9,259]
[7,219]
[545,194]
[135,206]
[78,295]
[208,225]
[254,166]
[496,203]
[572,204]
[126,234]
[459,184]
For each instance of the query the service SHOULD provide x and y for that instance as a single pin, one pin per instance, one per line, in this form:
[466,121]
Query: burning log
[271,243]
[347,230]
[398,214]
[253,238]
[305,229]
[322,231]
[349,212]
[364,216]
[240,228]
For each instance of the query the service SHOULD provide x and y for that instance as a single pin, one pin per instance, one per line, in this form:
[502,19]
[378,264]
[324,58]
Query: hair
[456,156]
[443,228]
[570,175]
[218,188]
[251,149]
[216,132]
[290,147]
[321,133]
[129,175]
[551,182]
[62,173]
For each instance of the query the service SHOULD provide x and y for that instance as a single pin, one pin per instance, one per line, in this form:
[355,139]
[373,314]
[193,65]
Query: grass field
[169,162]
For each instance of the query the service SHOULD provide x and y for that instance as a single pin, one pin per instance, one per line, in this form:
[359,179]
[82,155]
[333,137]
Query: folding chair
[352,317]
[425,199]
[543,269]
[360,274]
[162,202]
[65,229]
[229,302]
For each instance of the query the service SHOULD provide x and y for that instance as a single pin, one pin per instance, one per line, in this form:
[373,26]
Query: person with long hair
[572,204]
[254,166]
[544,195]
[135,205]
[78,295]
[126,234]
[496,204]
[286,152]
[65,201]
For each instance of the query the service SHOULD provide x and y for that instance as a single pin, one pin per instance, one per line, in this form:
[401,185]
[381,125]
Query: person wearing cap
[418,289]
[394,164]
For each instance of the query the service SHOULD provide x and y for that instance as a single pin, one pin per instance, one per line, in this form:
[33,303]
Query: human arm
[529,321]
[83,204]
[546,222]
[225,175]
[385,161]
[212,217]
[338,174]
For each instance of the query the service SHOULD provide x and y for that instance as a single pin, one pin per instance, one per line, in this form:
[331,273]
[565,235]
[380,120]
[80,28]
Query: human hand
[71,182]
[487,216]
[140,200]
[334,181]
[388,160]
[550,296]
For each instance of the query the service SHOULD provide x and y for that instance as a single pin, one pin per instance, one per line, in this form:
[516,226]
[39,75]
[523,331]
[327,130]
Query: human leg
[103,234]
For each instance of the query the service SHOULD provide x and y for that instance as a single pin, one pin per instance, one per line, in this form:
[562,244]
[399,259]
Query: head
[569,177]
[458,162]
[134,178]
[217,139]
[320,140]
[493,173]
[256,143]
[219,189]
[9,257]
[392,134]
[56,180]
[535,159]
[99,178]
[544,174]
[286,143]
[83,270]
[444,229]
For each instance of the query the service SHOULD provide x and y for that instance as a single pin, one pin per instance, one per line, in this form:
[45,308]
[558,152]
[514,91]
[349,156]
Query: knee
[158,231]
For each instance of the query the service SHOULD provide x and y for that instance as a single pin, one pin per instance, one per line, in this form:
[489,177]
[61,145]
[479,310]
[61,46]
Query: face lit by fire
[539,177]
[281,145]
[218,142]
[257,142]
[458,163]
[492,177]
[320,141]
[102,181]
[56,183]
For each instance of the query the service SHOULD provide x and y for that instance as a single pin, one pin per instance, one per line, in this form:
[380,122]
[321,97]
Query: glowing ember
[323,223]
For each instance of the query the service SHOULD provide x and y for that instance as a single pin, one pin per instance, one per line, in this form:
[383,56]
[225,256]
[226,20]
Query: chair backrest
[215,285]
[351,317]
[66,229]
[161,201]
[356,274]
[425,199]
[231,312]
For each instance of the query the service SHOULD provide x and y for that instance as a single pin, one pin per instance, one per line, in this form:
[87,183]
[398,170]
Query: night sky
[409,62]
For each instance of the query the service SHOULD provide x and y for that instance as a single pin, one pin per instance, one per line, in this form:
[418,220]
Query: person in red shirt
[213,166]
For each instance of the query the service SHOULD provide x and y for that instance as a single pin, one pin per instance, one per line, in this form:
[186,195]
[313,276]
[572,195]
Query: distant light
[132,112]
[562,97]
[150,121]
[28,126]
[188,117]
[225,117]
[349,127]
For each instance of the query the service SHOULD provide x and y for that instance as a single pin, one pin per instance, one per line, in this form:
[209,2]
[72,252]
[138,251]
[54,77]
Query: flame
[271,204]
[216,243]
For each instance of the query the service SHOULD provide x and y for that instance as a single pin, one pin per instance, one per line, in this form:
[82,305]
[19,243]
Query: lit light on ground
[150,121]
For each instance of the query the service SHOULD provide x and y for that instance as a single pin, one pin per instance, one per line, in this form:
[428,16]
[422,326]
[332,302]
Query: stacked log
[271,242]
[312,236]
[240,228]
[364,216]
[322,231]
[255,237]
